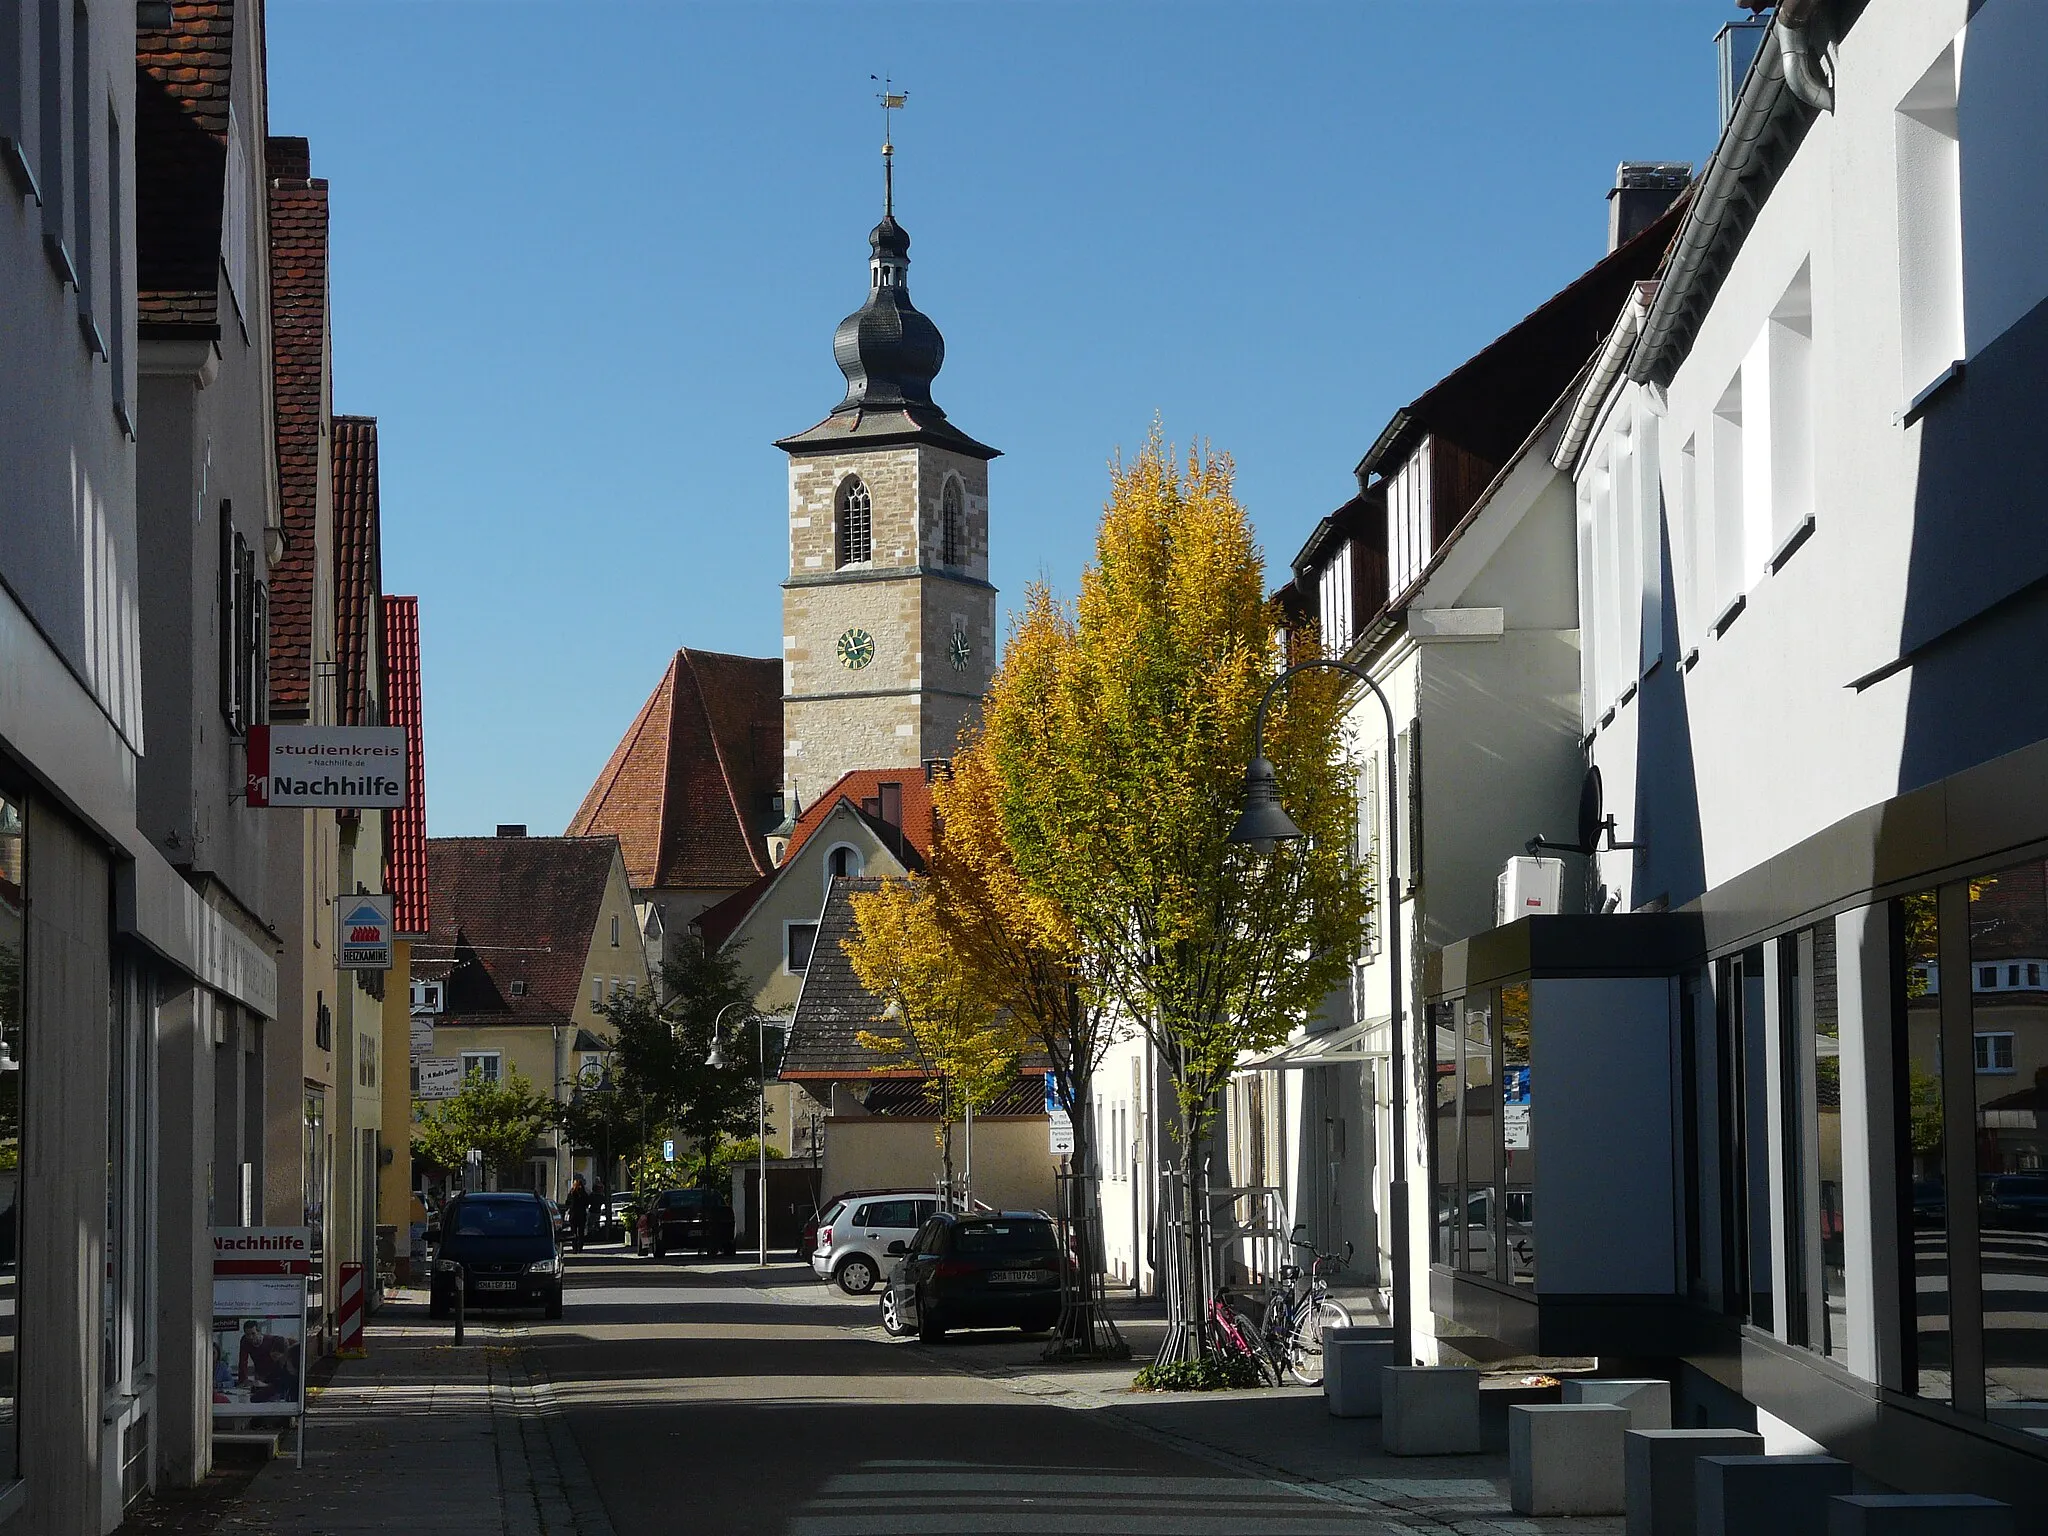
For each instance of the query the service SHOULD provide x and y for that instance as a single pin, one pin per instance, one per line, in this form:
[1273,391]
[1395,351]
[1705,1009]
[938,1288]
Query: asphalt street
[718,1398]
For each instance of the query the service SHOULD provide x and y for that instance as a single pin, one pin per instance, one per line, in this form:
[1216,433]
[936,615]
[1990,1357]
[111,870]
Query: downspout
[1802,69]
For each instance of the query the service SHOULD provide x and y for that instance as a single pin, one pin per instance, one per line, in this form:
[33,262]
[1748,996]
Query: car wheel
[892,1316]
[856,1276]
[554,1312]
[657,1250]
[929,1329]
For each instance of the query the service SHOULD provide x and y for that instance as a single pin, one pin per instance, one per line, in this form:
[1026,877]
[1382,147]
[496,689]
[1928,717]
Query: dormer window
[856,523]
[519,989]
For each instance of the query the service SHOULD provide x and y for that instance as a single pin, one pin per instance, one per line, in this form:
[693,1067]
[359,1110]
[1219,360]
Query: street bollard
[461,1286]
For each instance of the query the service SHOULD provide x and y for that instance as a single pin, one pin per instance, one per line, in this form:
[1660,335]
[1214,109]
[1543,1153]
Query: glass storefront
[13,947]
[1485,1150]
[1974,1156]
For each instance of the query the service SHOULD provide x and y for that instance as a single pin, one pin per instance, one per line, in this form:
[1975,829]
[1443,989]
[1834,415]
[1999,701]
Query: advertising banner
[262,1250]
[334,767]
[259,1346]
[362,933]
[440,1077]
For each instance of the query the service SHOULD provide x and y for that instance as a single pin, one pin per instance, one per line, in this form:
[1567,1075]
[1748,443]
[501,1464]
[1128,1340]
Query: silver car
[854,1236]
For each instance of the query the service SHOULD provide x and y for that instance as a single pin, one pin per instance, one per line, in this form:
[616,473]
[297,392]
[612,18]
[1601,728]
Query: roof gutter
[1606,369]
[1720,199]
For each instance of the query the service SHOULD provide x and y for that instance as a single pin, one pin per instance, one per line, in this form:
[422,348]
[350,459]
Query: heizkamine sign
[363,933]
[332,767]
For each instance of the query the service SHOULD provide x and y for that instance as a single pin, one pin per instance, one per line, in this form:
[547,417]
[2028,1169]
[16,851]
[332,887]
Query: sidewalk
[1287,1436]
[423,1435]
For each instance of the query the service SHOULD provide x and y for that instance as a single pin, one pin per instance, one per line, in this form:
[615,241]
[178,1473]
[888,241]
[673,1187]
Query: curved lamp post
[715,1061]
[1263,825]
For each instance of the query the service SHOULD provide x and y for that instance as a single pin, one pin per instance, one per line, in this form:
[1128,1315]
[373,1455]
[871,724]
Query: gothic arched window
[952,526]
[856,523]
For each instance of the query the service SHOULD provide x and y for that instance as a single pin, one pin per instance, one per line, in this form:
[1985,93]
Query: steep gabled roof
[833,1007]
[183,78]
[515,909]
[721,921]
[1488,404]
[358,566]
[861,788]
[299,366]
[688,790]
[405,829]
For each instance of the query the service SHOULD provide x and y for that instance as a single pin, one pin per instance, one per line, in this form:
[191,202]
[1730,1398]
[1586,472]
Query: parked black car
[683,1219]
[1000,1270]
[504,1248]
[2013,1202]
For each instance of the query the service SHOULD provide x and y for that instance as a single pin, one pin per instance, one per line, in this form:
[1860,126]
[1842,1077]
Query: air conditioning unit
[426,997]
[1527,887]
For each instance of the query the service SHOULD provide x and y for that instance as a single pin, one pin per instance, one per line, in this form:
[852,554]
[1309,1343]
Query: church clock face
[856,649]
[960,651]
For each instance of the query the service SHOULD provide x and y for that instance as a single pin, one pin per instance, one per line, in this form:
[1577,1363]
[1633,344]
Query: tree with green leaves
[661,1046]
[500,1120]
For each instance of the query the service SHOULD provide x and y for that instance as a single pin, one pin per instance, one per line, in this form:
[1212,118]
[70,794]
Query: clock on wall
[856,649]
[960,650]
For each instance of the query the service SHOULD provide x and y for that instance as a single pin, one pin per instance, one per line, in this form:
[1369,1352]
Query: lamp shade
[716,1059]
[1263,824]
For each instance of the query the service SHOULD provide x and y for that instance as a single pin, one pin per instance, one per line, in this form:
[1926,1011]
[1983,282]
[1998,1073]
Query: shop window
[1923,1152]
[1817,1294]
[1745,1139]
[13,1057]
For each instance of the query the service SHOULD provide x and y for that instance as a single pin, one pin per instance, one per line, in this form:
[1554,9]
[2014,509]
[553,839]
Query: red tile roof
[512,909]
[299,371]
[721,920]
[910,840]
[182,79]
[358,568]
[689,790]
[405,829]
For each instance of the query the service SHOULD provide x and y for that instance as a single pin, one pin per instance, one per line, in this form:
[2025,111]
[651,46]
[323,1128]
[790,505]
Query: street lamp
[716,1061]
[1263,825]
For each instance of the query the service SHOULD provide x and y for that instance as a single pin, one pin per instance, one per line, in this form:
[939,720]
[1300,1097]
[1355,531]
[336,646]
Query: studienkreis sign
[334,767]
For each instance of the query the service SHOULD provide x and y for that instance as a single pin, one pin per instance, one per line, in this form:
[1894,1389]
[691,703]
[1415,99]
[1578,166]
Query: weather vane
[892,101]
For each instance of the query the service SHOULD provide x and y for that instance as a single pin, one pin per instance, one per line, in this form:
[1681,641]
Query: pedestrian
[579,1210]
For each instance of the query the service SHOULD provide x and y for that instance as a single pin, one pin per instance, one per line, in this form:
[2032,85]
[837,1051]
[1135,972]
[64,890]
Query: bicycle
[1237,1332]
[1292,1330]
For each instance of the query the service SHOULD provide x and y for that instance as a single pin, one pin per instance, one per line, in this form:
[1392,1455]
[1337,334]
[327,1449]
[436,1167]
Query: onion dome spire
[888,350]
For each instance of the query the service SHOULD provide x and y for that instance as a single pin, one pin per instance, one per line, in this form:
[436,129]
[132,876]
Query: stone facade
[910,702]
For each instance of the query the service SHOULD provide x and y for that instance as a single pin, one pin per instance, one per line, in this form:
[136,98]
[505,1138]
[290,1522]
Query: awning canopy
[1368,1040]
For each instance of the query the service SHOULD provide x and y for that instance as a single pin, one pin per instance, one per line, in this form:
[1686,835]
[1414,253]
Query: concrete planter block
[1918,1514]
[1767,1495]
[1648,1402]
[1566,1458]
[1351,1371]
[1429,1410]
[1660,1465]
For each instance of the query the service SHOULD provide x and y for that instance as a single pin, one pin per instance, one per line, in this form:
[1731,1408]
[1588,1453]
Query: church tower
[888,632]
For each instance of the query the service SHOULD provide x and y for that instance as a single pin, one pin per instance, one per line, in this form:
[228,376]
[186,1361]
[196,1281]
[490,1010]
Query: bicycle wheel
[1240,1335]
[1305,1342]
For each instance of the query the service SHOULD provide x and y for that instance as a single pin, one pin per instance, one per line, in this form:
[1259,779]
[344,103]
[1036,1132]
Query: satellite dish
[1592,811]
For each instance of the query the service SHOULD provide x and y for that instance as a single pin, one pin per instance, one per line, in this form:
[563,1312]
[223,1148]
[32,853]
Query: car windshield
[500,1218]
[686,1199]
[1004,1237]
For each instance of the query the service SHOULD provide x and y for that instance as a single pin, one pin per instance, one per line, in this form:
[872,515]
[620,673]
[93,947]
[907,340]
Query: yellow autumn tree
[940,1021]
[1120,730]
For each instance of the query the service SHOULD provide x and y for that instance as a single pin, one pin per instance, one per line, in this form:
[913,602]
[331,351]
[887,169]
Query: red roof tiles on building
[358,568]
[299,368]
[512,910]
[903,817]
[182,81]
[688,791]
[405,829]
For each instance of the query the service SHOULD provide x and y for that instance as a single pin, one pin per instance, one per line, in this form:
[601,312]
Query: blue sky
[588,258]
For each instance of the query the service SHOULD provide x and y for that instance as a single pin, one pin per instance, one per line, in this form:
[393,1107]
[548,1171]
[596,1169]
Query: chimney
[1735,47]
[1642,190]
[511,829]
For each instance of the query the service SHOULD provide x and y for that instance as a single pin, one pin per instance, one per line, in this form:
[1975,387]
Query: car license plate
[497,1285]
[1017,1276]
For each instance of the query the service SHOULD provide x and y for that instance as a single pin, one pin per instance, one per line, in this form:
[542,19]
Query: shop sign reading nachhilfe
[362,939]
[336,767]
